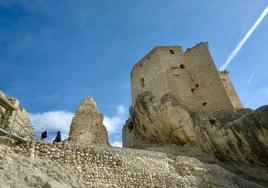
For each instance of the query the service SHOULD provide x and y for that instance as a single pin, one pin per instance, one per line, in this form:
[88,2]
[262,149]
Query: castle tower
[190,76]
[87,125]
[230,89]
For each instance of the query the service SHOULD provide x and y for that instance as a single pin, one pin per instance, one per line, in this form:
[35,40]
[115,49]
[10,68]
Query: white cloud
[114,124]
[117,144]
[52,121]
[121,110]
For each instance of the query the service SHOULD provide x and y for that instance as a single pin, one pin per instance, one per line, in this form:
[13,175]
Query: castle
[175,95]
[190,76]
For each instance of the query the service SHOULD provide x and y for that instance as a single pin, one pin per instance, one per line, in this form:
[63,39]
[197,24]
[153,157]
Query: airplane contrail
[252,76]
[244,40]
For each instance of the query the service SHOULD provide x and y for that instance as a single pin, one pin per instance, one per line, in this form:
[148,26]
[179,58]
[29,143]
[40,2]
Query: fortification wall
[230,90]
[210,94]
[149,74]
[102,166]
[190,76]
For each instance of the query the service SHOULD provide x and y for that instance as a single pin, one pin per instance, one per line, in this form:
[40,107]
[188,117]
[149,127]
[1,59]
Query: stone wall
[105,166]
[16,121]
[190,76]
[230,89]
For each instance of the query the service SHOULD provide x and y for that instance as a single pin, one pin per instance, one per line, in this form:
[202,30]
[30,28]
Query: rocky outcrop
[158,121]
[239,141]
[87,125]
[235,138]
[16,120]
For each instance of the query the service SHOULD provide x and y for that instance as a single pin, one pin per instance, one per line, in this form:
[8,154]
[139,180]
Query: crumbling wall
[87,124]
[149,74]
[190,76]
[16,121]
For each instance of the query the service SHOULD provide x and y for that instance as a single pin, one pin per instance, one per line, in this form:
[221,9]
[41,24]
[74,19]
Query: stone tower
[190,76]
[230,89]
[87,125]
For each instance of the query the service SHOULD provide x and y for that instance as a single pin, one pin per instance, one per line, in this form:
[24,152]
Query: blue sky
[54,53]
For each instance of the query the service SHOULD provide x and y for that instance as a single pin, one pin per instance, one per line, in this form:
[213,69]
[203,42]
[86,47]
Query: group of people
[57,139]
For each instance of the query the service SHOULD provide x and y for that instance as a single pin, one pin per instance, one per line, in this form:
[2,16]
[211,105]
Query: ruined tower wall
[149,75]
[190,76]
[17,121]
[230,89]
[179,76]
[210,93]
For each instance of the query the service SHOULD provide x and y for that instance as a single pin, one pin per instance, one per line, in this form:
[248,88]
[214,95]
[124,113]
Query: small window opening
[142,82]
[130,127]
[212,121]
[140,65]
[148,57]
[204,104]
[171,51]
[192,90]
[197,85]
[182,66]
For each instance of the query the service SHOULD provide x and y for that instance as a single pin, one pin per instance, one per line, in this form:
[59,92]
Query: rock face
[239,141]
[87,125]
[159,121]
[236,138]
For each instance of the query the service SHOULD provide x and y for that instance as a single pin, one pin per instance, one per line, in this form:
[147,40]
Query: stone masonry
[87,125]
[16,121]
[105,166]
[191,76]
[230,89]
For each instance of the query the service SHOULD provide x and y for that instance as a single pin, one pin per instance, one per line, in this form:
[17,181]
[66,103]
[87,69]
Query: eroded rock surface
[159,121]
[87,125]
[239,141]
[236,138]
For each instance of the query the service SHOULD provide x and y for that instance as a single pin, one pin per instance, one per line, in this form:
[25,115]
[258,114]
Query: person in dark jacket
[44,135]
[58,137]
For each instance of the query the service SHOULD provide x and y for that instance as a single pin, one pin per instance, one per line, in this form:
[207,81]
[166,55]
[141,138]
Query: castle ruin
[87,124]
[190,76]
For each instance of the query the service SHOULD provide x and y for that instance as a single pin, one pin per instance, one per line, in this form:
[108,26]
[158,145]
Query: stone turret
[87,125]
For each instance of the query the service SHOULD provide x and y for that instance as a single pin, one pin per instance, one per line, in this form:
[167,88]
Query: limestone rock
[87,125]
[159,121]
[210,175]
[239,141]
